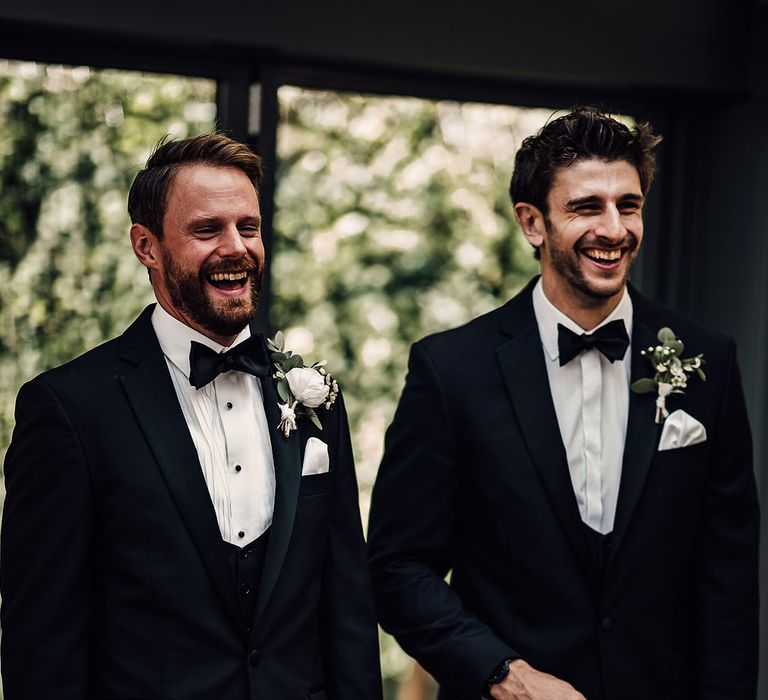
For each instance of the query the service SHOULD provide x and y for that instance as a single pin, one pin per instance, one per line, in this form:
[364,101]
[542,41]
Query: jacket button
[254,657]
[606,623]
[245,589]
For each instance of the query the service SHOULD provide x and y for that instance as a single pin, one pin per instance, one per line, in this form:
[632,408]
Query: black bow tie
[611,340]
[205,364]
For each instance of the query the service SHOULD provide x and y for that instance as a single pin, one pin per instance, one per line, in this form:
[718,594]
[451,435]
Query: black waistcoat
[246,564]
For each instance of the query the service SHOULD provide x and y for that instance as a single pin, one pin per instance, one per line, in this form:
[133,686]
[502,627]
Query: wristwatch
[498,675]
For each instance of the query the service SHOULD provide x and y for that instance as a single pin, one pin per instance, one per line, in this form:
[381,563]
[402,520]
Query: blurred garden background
[392,220]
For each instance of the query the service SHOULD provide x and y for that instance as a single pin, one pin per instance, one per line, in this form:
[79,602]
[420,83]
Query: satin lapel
[153,399]
[642,436]
[286,454]
[525,374]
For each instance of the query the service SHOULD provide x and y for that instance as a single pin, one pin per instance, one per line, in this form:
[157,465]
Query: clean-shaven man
[161,537]
[602,542]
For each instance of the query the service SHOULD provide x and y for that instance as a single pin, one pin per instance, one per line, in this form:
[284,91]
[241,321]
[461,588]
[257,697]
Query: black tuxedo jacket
[475,481]
[115,580]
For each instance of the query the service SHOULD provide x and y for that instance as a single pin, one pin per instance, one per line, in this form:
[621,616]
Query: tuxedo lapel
[287,458]
[642,431]
[150,392]
[521,360]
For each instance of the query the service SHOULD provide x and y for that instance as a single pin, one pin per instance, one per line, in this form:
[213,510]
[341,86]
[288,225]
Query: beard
[566,262]
[187,291]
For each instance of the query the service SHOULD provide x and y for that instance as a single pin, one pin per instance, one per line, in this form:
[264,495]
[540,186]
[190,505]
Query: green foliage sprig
[671,370]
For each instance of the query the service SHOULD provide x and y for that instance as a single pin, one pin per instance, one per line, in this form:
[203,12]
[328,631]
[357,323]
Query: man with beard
[161,537]
[597,510]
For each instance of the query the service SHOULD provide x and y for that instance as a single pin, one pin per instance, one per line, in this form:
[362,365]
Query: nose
[610,225]
[230,244]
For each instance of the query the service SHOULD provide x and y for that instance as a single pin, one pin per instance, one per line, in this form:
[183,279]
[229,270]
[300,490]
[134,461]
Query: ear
[531,221]
[145,246]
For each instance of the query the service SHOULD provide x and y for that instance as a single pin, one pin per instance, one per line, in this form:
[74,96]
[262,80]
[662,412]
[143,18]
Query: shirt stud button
[229,404]
[237,467]
[241,534]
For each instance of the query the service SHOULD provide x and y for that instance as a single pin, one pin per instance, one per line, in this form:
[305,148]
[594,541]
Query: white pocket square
[315,457]
[681,430]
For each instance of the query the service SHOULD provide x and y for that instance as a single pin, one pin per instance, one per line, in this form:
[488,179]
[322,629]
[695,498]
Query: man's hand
[524,682]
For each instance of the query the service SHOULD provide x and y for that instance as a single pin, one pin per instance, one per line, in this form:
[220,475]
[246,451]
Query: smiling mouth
[602,256]
[229,281]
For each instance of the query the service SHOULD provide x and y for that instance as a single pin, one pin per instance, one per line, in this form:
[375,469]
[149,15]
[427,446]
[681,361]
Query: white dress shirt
[229,428]
[591,398]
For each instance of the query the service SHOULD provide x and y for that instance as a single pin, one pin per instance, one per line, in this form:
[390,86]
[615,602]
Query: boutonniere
[671,370]
[302,388]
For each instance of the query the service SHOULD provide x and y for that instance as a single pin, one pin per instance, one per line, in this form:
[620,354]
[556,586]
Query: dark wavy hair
[149,192]
[583,133]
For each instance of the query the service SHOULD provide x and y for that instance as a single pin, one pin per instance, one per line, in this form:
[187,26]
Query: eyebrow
[594,199]
[216,221]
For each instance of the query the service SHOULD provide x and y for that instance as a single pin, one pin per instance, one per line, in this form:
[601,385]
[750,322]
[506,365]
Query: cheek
[255,247]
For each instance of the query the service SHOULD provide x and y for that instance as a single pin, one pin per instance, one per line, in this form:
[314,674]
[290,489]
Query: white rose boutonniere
[302,388]
[671,370]
[308,386]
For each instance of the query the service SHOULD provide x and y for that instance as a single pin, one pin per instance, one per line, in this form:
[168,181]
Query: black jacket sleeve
[45,554]
[726,605]
[413,530]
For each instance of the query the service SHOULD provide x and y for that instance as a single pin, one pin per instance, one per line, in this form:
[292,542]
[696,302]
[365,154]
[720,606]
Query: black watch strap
[498,675]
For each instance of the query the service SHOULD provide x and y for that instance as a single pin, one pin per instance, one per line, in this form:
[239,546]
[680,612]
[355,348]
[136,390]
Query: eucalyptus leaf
[292,362]
[677,346]
[313,417]
[283,391]
[644,386]
[701,374]
[666,336]
[280,340]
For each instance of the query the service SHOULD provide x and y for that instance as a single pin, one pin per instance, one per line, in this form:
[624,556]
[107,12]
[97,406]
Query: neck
[587,311]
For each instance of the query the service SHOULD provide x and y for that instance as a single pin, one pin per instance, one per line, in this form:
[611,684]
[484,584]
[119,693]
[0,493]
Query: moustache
[629,242]
[247,264]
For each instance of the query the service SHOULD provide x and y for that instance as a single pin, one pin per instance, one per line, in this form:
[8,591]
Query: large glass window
[392,221]
[73,139]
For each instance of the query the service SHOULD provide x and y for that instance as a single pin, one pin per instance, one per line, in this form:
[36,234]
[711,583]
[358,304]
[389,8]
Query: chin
[602,291]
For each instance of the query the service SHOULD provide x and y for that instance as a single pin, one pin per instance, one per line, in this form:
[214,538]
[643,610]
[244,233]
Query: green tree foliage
[73,139]
[393,221]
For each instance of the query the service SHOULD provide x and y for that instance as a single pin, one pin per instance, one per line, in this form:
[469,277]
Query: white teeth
[228,276]
[608,255]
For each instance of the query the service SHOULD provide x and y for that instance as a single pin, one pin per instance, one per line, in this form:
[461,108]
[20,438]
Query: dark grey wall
[689,44]
[729,265]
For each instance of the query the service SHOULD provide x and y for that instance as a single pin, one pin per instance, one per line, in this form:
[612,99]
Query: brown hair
[149,192]
[583,133]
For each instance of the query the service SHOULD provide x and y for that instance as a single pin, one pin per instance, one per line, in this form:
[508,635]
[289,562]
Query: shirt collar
[175,338]
[548,316]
